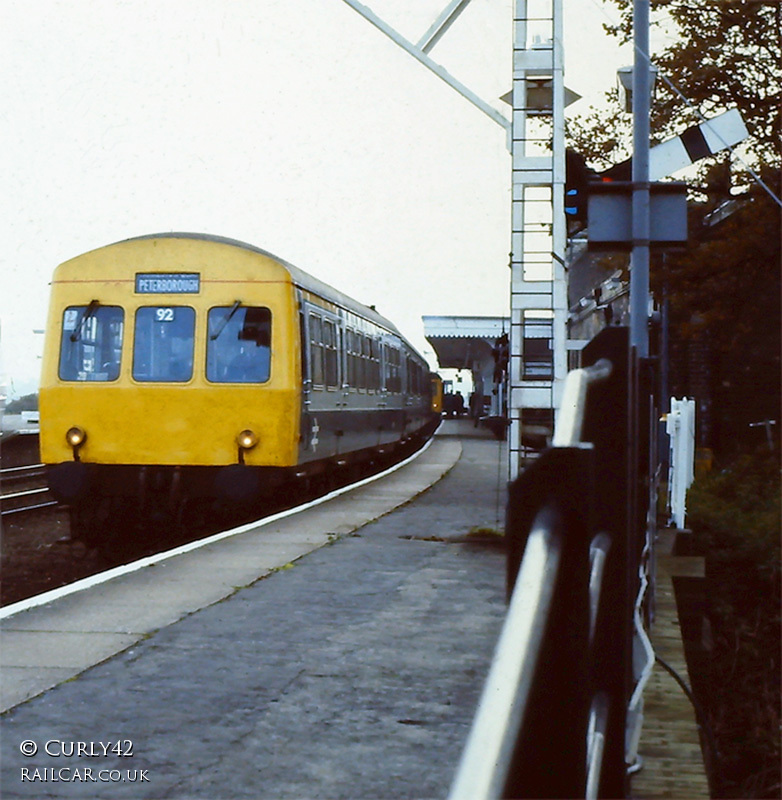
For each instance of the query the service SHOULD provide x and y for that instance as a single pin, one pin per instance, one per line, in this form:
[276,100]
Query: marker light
[76,436]
[247,440]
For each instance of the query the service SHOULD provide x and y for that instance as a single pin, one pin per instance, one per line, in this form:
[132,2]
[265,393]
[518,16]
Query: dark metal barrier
[552,718]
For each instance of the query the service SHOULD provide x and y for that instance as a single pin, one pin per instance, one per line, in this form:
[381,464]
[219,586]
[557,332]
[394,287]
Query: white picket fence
[680,427]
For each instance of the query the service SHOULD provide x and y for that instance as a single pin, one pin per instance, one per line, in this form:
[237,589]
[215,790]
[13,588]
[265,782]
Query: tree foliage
[735,518]
[725,54]
[725,289]
[27,402]
[722,54]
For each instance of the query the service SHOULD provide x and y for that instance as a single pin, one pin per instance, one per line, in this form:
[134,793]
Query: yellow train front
[436,390]
[183,372]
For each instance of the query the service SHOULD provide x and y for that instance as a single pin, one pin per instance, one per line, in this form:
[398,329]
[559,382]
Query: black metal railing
[552,720]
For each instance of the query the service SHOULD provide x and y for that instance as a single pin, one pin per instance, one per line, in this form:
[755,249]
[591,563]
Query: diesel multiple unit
[184,370]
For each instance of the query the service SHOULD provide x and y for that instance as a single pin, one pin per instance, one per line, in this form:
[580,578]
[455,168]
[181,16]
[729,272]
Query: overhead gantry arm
[441,24]
[420,51]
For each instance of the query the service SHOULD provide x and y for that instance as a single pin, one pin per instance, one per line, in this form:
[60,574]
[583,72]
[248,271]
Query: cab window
[163,344]
[91,343]
[238,347]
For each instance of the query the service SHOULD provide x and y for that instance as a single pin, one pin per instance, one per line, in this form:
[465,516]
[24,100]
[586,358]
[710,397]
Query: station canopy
[464,342]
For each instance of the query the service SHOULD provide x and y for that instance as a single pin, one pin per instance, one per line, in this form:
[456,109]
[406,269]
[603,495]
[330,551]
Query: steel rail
[13,470]
[28,508]
[25,493]
[20,474]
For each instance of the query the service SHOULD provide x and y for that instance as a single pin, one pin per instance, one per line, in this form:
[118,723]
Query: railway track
[16,474]
[29,492]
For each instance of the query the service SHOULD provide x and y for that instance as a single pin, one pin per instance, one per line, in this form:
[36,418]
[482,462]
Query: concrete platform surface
[670,747]
[45,645]
[352,672]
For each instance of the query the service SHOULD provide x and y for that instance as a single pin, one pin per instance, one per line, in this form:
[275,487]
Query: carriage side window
[352,340]
[330,353]
[305,350]
[364,368]
[316,350]
[374,364]
[362,345]
[412,377]
[357,348]
[91,343]
[238,344]
[393,369]
[354,356]
[163,344]
[419,379]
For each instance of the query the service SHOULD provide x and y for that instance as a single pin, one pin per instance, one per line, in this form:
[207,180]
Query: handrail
[484,767]
[598,723]
[570,422]
[598,553]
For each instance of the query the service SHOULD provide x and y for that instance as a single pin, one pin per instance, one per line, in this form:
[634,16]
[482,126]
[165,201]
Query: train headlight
[76,436]
[247,440]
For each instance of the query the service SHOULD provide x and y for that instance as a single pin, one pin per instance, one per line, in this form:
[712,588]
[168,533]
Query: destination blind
[168,283]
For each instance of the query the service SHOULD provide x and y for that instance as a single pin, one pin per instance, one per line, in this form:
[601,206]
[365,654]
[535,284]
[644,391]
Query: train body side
[367,392]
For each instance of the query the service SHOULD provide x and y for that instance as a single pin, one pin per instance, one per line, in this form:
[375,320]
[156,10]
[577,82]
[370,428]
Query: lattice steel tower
[539,228]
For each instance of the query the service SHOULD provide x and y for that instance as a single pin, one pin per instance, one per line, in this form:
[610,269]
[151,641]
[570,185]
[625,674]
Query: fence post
[549,759]
[680,427]
[606,426]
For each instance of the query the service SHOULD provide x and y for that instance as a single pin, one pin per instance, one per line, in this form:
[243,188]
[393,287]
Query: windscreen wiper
[86,314]
[225,320]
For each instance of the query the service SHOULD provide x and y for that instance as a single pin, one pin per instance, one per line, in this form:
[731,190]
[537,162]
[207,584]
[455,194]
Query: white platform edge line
[126,569]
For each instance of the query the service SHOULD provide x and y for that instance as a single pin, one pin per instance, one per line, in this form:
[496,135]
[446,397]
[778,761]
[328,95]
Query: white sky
[294,126]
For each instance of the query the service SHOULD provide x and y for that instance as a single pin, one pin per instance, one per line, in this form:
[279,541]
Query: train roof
[299,277]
